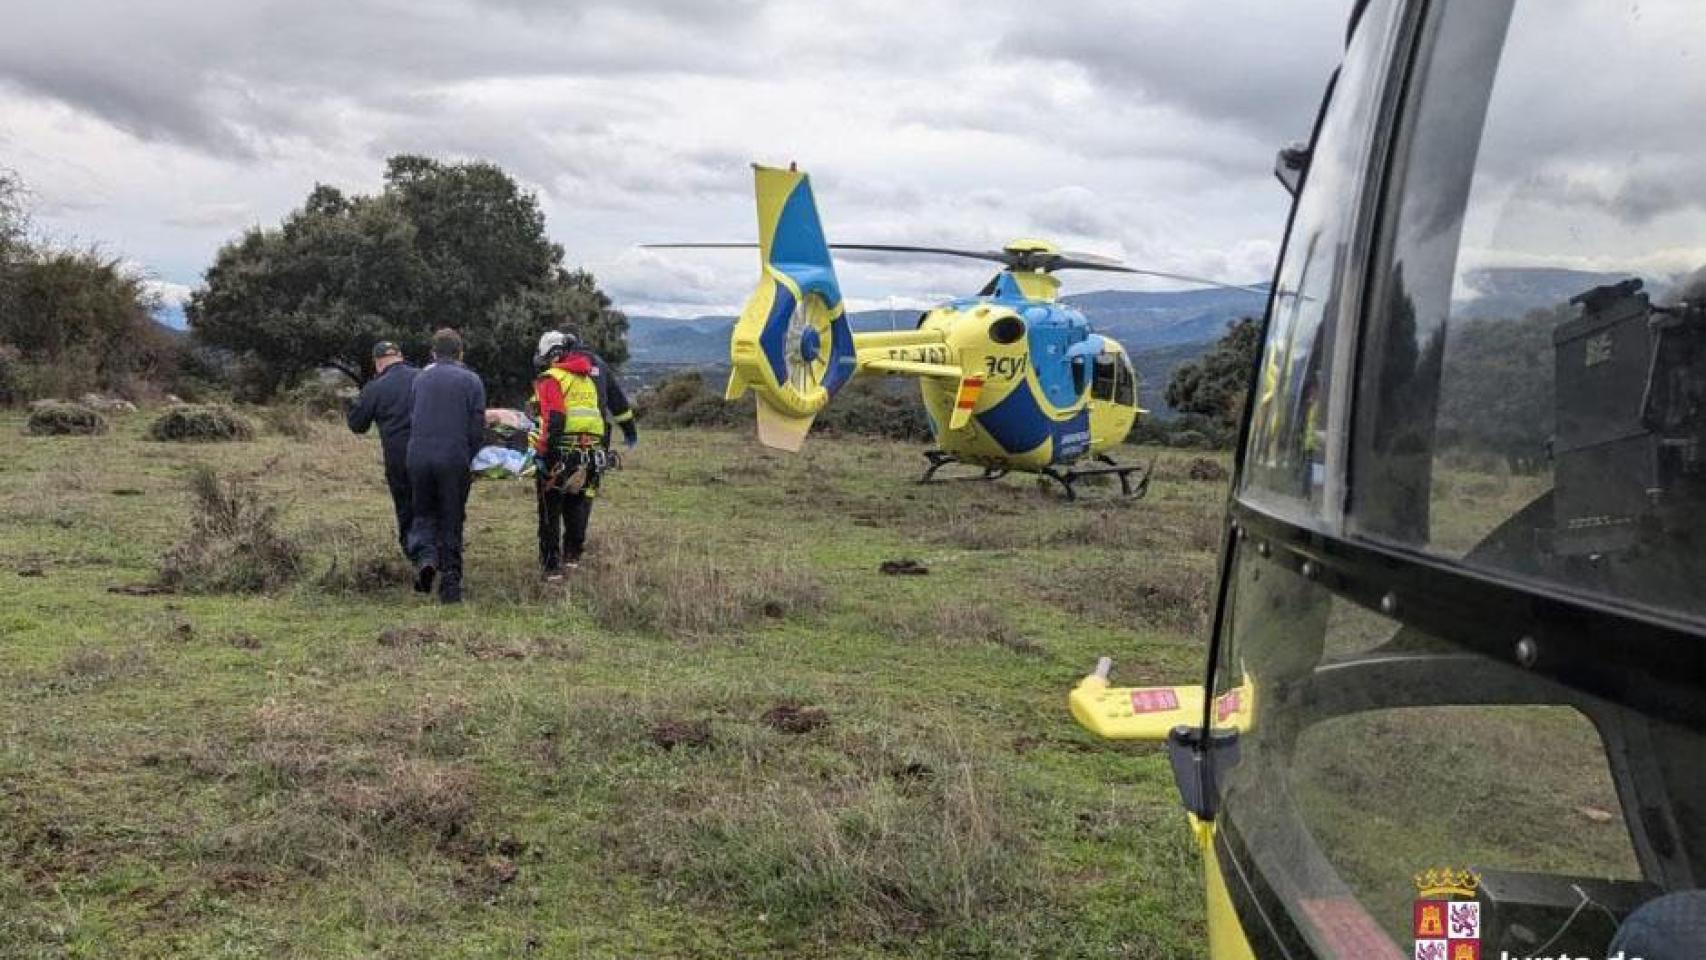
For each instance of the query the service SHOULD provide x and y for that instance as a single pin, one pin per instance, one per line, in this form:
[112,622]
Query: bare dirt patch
[795,718]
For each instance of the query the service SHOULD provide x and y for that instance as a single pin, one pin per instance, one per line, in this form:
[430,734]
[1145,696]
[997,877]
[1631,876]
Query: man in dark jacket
[447,420]
[384,401]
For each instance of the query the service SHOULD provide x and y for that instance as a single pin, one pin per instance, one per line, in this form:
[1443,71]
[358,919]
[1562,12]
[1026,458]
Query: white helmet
[552,344]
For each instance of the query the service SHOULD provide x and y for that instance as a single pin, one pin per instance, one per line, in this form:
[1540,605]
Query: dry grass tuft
[326,790]
[288,420]
[795,718]
[1168,595]
[662,582]
[87,667]
[956,623]
[234,545]
[888,847]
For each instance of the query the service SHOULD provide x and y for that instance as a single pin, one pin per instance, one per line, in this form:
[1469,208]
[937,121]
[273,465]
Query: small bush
[318,400]
[288,420]
[234,545]
[52,418]
[201,424]
[369,573]
[11,375]
[1203,468]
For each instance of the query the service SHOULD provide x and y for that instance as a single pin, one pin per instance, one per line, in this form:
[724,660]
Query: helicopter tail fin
[782,431]
[792,345]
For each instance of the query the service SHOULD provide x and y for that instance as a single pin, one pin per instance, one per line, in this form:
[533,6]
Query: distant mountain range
[1137,319]
[1160,330]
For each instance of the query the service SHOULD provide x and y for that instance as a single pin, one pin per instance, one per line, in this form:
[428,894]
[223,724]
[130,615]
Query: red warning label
[1154,701]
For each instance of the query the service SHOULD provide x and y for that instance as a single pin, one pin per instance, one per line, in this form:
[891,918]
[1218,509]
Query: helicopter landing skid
[941,458]
[1129,489]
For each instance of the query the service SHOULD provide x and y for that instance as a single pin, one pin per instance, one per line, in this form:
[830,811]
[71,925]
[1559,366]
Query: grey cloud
[221,77]
[1261,65]
[231,214]
[928,121]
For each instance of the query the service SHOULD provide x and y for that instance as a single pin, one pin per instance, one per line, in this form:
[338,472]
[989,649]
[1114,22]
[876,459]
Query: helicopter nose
[811,344]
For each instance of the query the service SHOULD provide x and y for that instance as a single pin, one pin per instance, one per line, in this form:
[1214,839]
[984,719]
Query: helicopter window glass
[1285,457]
[1125,389]
[1372,752]
[1106,383]
[1538,360]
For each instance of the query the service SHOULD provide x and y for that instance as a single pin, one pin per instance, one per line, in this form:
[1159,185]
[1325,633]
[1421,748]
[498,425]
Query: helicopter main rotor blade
[698,246]
[1045,261]
[1071,263]
[993,256]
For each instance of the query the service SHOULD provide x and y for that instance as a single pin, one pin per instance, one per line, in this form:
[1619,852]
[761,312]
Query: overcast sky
[1137,129]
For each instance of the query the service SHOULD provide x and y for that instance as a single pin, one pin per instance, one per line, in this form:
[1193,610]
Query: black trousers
[562,524]
[440,493]
[402,497]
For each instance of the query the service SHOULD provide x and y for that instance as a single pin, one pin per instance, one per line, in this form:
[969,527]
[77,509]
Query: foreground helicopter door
[1463,609]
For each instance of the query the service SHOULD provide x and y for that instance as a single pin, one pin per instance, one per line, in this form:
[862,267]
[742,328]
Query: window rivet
[1389,603]
[1308,569]
[1527,651]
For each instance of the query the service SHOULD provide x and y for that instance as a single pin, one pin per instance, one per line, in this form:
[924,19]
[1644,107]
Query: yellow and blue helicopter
[1012,379]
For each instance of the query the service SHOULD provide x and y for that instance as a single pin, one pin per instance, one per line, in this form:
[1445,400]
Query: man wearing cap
[384,401]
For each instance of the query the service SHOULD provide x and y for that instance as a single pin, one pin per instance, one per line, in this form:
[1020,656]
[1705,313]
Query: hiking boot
[424,577]
[554,575]
[574,564]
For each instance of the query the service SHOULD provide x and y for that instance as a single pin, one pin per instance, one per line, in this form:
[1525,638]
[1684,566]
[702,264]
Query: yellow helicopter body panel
[1011,379]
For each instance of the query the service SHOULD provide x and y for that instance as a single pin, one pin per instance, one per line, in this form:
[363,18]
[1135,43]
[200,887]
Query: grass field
[727,735]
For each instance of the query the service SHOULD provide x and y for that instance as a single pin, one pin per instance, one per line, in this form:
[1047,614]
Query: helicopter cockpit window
[1375,753]
[1285,466]
[1114,380]
[1531,402]
[1538,400]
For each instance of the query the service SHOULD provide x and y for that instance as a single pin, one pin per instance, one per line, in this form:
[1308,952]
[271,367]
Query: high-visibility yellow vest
[581,414]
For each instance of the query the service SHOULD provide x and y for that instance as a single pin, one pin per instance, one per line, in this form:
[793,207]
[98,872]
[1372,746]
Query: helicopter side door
[1113,397]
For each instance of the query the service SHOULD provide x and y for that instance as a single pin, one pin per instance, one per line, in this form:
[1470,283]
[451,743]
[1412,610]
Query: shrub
[234,545]
[11,375]
[288,420]
[318,400]
[201,424]
[1202,468]
[49,418]
[686,400]
[876,408]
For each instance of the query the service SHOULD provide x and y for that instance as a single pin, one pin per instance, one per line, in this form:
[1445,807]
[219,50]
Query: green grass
[341,768]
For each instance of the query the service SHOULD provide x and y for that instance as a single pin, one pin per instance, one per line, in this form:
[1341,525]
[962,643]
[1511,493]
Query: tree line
[457,244]
[72,319]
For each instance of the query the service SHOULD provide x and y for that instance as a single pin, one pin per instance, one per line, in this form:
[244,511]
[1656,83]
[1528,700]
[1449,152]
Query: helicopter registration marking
[919,354]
